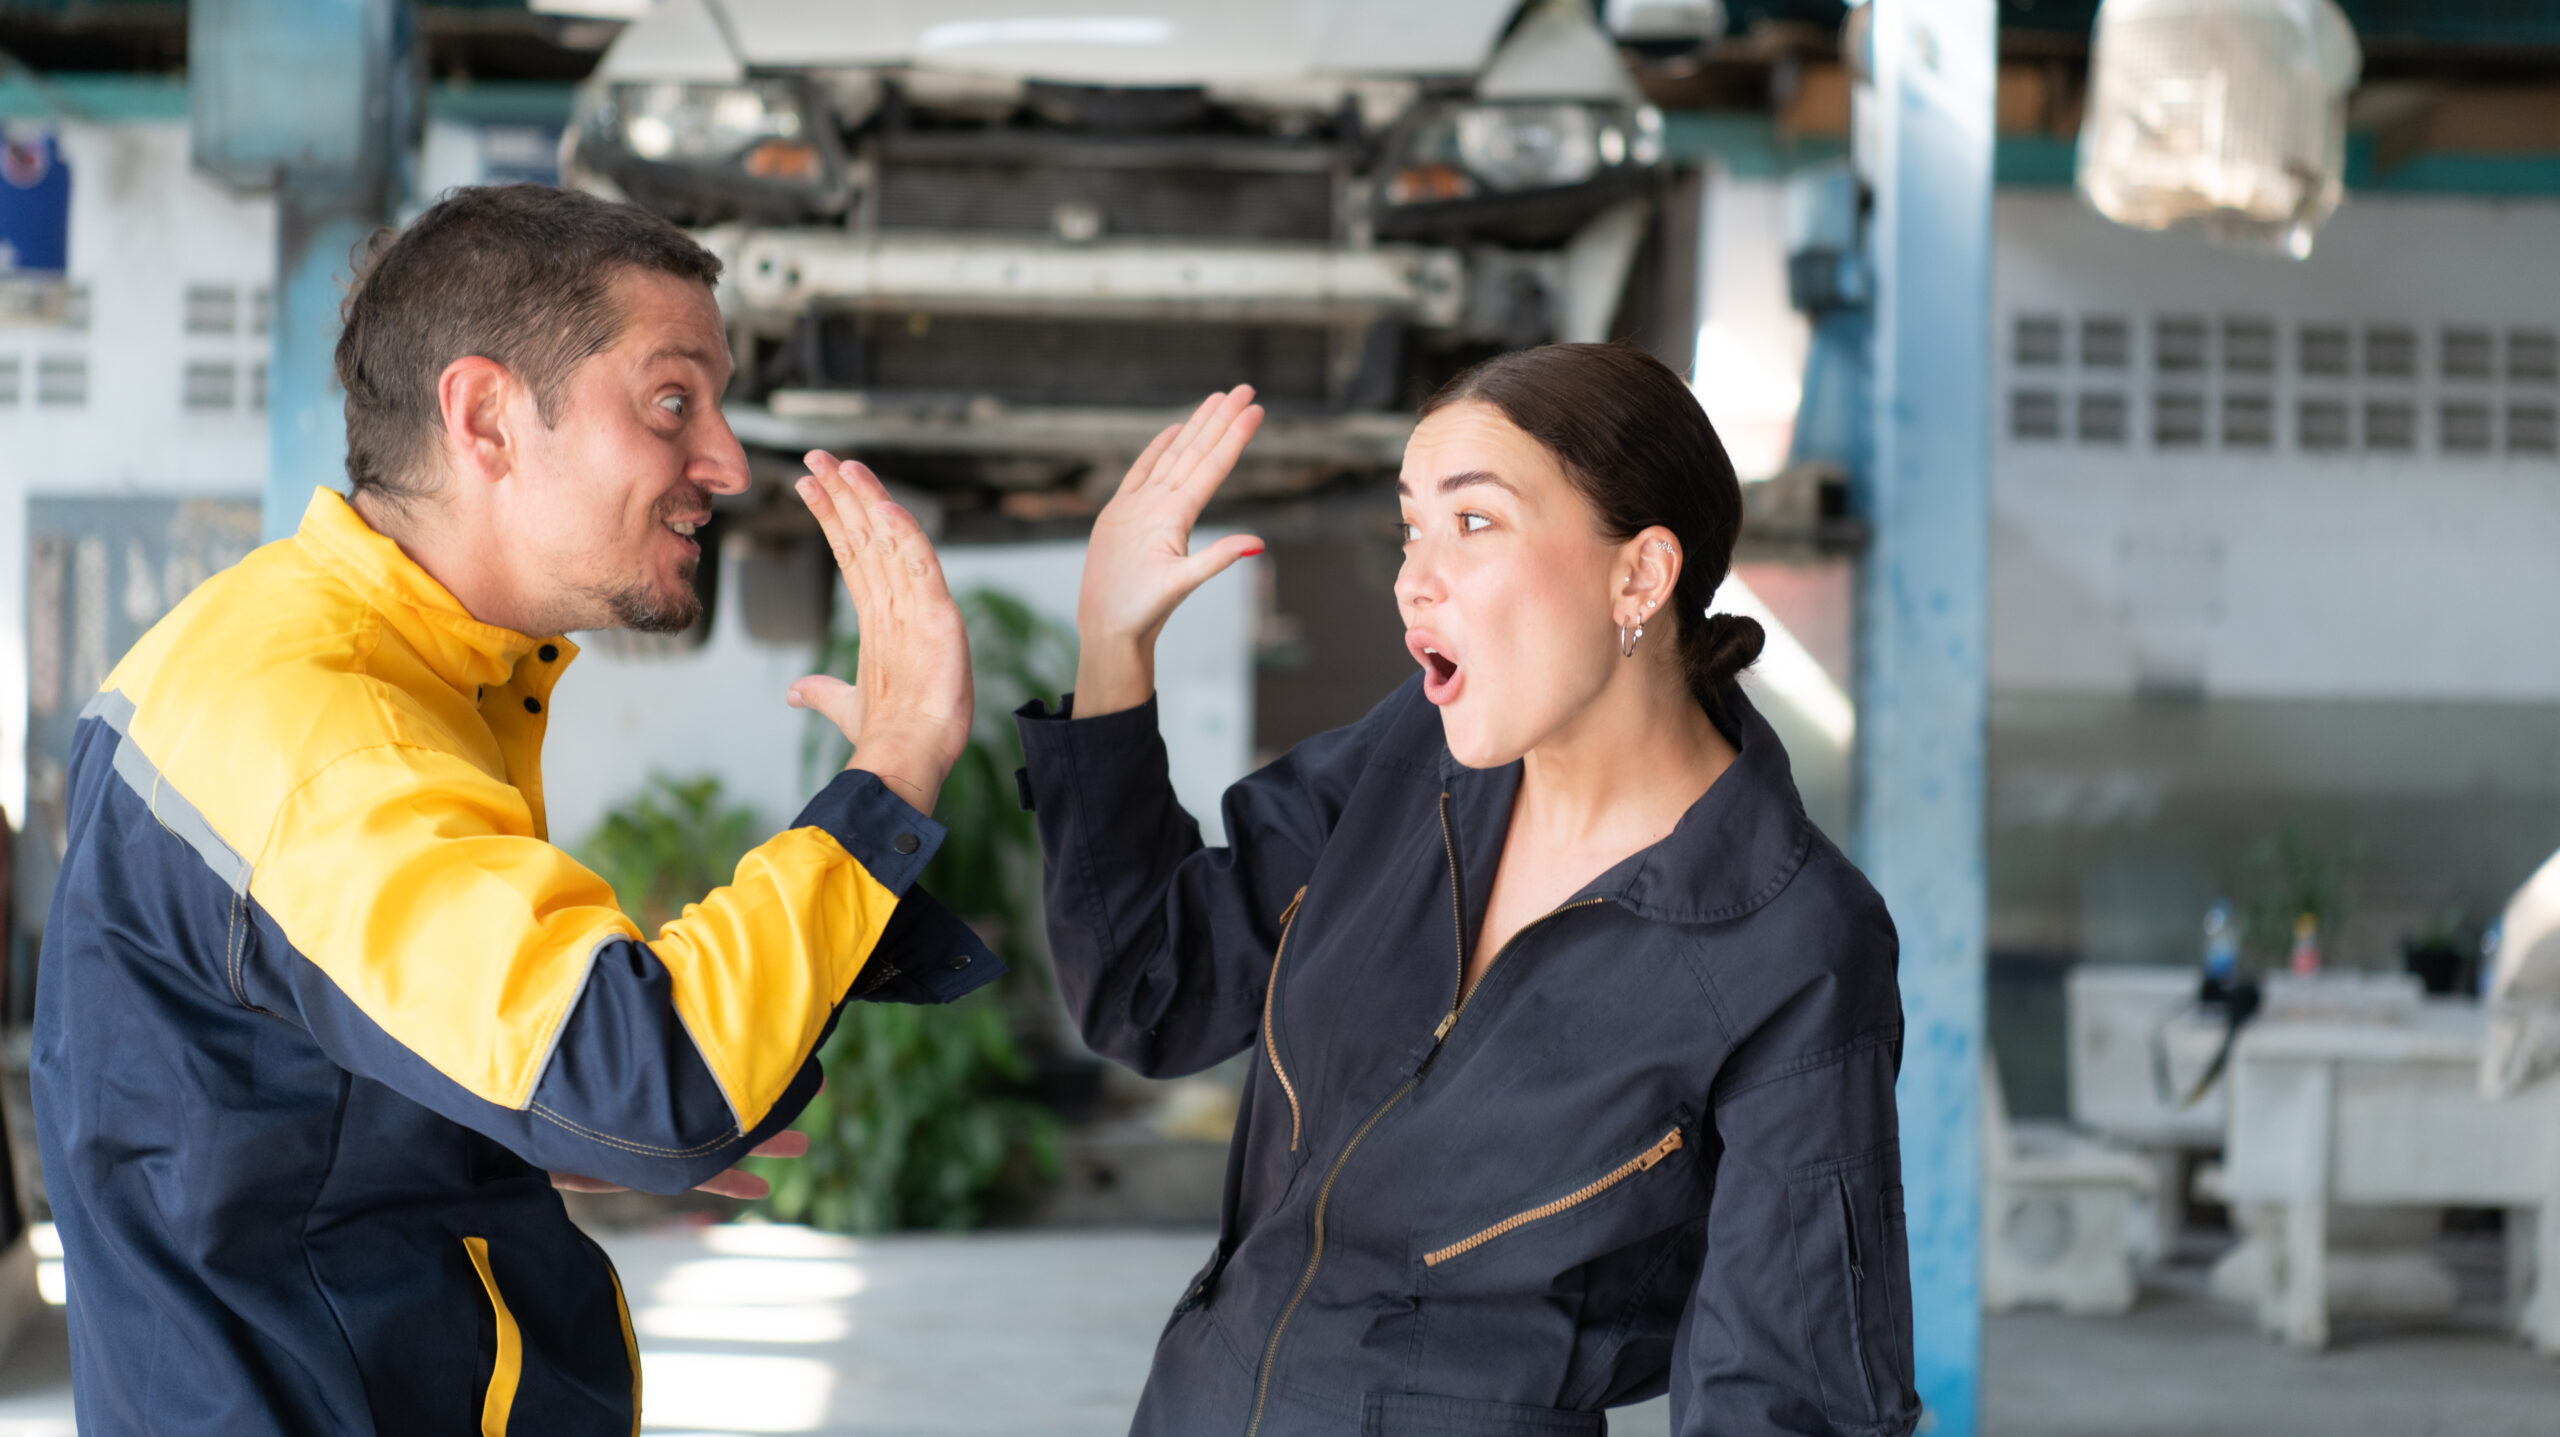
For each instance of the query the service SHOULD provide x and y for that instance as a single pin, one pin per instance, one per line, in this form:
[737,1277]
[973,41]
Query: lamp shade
[2230,115]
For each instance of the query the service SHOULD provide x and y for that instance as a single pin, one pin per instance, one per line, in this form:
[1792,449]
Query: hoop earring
[1627,641]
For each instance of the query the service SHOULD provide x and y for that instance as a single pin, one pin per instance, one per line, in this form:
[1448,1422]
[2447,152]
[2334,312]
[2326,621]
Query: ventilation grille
[2252,383]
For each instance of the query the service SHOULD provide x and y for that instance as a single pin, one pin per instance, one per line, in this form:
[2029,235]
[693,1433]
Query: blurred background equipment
[2227,114]
[2523,988]
[2268,565]
[1003,250]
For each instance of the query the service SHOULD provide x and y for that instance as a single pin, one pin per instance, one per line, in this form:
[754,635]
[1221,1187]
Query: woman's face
[1508,586]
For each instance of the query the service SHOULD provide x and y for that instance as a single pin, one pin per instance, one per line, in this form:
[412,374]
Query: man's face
[615,486]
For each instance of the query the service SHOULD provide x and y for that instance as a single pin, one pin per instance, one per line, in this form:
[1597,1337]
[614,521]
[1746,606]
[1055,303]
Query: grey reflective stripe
[114,707]
[166,803]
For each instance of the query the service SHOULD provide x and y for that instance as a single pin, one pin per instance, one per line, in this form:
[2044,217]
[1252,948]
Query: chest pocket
[1636,1167]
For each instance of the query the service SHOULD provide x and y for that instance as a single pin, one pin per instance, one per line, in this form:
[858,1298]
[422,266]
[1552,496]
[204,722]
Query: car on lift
[996,244]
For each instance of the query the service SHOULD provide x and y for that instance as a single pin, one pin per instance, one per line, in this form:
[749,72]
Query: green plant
[2289,876]
[922,1123]
[918,1125]
[668,845]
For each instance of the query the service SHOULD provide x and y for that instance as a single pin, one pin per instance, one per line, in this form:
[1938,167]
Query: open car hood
[1087,42]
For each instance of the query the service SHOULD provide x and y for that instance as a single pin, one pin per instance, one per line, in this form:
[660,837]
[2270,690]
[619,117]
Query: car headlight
[1532,147]
[1463,150]
[714,151]
[763,128]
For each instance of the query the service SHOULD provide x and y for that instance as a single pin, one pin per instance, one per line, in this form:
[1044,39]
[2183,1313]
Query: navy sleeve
[1800,1322]
[1163,945]
[627,1097]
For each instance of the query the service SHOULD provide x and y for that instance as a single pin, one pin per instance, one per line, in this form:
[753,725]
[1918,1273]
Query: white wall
[144,226]
[2277,573]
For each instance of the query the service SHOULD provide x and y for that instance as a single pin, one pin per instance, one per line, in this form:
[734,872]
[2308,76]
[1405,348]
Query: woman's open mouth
[1441,672]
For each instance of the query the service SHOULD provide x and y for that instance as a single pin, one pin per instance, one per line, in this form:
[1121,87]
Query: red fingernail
[1256,549]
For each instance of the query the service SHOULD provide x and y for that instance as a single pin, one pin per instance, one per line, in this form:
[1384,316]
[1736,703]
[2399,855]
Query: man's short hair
[519,274]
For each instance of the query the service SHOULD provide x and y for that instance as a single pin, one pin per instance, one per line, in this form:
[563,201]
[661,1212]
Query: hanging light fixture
[2230,115]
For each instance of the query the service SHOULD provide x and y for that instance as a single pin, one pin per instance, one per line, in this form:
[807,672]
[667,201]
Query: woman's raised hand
[1139,566]
[909,709]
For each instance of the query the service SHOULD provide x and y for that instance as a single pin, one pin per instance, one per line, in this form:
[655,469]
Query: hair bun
[1726,645]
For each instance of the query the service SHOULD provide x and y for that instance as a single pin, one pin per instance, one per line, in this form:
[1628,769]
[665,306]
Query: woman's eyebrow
[1450,484]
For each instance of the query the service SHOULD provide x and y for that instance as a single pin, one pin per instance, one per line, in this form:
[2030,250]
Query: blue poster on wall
[35,203]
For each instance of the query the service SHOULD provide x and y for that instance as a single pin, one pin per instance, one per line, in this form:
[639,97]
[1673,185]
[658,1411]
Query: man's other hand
[735,1183]
[909,708]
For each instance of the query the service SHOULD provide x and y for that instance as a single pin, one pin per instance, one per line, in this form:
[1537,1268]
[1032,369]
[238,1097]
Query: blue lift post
[312,101]
[1923,629]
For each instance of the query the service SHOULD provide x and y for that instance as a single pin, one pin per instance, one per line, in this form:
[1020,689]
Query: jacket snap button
[959,961]
[533,706]
[550,653]
[905,843]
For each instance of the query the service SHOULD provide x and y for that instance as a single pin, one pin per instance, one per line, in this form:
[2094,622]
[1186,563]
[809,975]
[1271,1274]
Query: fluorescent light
[777,1239]
[744,1324]
[975,34]
[1788,671]
[1751,400]
[736,1393]
[755,1282]
[593,9]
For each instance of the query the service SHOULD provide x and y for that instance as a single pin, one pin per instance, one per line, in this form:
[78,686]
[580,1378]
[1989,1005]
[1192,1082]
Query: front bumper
[780,273]
[794,421]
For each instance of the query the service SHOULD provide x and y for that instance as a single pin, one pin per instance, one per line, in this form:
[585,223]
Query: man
[320,1003]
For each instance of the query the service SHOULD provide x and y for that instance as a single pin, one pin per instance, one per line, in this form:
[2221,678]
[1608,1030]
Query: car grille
[1071,362]
[947,189]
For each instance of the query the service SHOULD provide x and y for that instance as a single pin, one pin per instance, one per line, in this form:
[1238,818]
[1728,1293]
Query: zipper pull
[1439,1035]
[1670,1144]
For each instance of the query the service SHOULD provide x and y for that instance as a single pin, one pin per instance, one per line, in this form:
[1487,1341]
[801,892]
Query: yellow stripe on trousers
[510,1364]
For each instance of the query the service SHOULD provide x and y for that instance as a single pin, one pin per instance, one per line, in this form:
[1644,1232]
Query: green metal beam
[145,99]
[1750,146]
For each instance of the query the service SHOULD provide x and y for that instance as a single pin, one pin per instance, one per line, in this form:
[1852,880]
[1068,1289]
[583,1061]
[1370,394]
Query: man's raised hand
[908,710]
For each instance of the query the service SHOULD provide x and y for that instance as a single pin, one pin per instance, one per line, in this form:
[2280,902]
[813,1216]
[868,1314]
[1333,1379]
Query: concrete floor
[765,1330]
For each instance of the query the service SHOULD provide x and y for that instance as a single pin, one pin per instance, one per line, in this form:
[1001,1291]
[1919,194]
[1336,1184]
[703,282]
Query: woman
[1576,1041]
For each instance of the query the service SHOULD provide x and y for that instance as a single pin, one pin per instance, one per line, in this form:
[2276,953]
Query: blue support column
[313,101]
[1923,690]
[317,230]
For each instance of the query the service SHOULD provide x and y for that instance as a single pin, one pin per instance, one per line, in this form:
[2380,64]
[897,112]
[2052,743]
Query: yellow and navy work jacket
[320,1005]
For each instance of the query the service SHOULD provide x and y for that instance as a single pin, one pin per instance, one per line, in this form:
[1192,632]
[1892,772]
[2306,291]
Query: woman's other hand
[1139,566]
[908,711]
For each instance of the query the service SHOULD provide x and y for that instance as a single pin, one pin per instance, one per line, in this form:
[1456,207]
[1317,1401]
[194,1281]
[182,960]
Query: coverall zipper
[1439,1035]
[1271,1045]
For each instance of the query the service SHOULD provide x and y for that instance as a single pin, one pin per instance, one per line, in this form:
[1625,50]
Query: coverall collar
[1733,851]
[462,650]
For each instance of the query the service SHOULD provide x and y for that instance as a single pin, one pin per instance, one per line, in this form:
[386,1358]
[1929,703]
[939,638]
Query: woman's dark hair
[1635,443]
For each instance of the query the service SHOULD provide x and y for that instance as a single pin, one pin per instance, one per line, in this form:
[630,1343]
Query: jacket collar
[462,651]
[1733,851]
